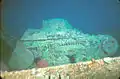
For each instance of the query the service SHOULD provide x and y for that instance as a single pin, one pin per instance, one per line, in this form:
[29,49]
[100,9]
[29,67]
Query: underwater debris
[71,58]
[71,71]
[107,60]
[54,40]
[42,63]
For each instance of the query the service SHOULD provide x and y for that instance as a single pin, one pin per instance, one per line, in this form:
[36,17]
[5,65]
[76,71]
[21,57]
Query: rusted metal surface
[107,68]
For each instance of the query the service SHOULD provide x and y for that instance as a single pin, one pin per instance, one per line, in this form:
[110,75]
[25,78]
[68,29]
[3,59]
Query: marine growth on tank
[58,43]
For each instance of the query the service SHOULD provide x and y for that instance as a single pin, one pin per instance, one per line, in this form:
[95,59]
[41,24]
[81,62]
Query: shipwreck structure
[67,52]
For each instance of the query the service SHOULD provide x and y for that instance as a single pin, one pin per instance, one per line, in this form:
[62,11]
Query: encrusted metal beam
[107,68]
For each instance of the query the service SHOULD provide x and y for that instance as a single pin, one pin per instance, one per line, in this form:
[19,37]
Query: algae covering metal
[59,43]
[106,68]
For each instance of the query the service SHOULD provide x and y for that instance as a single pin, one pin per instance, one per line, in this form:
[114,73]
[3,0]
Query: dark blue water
[90,16]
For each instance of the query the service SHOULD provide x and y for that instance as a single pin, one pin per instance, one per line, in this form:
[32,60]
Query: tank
[58,43]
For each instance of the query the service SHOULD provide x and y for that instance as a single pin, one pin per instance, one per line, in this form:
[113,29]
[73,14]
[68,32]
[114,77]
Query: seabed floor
[107,68]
